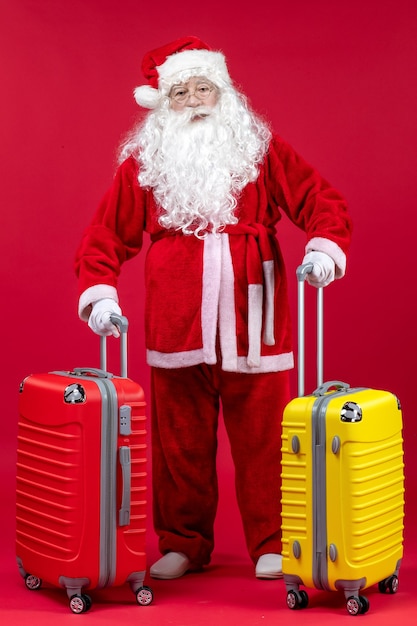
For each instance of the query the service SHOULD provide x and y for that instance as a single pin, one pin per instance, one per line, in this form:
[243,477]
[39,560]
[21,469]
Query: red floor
[226,593]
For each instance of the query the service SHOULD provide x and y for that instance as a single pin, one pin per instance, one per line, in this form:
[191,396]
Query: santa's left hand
[323,271]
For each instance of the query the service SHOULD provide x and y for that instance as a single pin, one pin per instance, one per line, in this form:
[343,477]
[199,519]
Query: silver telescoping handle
[302,272]
[124,451]
[122,323]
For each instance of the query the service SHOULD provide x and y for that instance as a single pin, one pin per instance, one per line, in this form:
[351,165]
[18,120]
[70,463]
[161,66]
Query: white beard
[196,168]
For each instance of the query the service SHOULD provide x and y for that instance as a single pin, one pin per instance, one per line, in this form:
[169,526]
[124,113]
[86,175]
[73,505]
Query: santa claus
[209,181]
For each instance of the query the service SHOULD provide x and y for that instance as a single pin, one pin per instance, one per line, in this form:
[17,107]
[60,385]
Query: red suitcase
[81,481]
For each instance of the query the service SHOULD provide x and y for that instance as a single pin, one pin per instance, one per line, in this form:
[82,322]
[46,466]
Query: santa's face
[197,151]
[197,94]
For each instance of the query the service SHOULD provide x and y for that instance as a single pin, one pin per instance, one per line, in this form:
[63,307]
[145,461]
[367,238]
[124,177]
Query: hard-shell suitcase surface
[81,481]
[342,486]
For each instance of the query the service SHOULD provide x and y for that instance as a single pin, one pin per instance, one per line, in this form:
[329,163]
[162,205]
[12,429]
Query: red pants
[185,409]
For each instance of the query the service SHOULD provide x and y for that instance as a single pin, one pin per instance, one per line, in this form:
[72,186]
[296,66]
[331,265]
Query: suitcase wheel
[357,605]
[297,599]
[144,596]
[32,582]
[80,603]
[389,585]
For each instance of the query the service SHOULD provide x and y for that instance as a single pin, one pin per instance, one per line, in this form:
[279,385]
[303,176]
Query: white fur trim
[269,278]
[172,360]
[321,244]
[210,296]
[147,96]
[227,310]
[276,363]
[206,63]
[255,298]
[91,295]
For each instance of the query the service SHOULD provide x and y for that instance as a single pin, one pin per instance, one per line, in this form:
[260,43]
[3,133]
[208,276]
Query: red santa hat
[181,59]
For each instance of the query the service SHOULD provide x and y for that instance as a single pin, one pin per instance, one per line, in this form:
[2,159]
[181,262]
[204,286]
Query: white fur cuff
[321,244]
[91,295]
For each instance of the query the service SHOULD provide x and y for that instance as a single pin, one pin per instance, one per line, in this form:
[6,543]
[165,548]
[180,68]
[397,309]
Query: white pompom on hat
[163,67]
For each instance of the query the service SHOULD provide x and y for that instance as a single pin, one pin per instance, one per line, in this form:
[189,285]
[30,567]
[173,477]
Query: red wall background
[336,79]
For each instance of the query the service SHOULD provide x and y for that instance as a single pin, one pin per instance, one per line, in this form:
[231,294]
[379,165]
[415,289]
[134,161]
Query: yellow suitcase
[342,486]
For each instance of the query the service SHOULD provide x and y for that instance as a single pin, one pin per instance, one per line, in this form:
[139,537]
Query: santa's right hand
[99,320]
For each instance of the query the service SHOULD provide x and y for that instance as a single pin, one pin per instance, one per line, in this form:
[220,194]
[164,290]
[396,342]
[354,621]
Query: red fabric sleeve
[306,197]
[115,234]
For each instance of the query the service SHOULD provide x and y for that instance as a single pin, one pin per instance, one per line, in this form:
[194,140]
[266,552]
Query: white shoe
[269,566]
[171,565]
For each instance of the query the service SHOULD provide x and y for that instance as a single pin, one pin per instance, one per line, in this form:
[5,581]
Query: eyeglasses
[181,94]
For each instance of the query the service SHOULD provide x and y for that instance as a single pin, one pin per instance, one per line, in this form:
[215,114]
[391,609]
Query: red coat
[227,290]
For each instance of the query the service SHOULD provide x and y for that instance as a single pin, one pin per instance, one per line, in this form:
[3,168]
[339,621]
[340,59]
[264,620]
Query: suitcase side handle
[122,323]
[126,466]
[302,271]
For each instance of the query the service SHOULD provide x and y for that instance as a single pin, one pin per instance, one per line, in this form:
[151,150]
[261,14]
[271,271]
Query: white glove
[99,320]
[323,271]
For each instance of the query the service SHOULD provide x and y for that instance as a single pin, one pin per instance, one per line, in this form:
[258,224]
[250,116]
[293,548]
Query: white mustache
[192,113]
